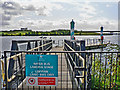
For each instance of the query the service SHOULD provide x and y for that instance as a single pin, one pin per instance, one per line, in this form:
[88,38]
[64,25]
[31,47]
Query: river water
[6,41]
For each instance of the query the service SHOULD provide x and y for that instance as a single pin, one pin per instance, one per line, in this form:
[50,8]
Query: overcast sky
[57,14]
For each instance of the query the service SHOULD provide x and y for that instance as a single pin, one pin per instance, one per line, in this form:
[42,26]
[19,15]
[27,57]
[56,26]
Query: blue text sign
[41,65]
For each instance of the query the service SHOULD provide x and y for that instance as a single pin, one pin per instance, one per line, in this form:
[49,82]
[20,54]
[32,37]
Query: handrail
[14,58]
[3,73]
[40,46]
[75,66]
[80,57]
[76,53]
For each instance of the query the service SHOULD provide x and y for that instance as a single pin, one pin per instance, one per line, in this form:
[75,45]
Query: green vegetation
[109,69]
[59,32]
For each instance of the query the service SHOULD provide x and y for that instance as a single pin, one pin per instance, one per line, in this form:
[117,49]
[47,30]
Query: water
[6,41]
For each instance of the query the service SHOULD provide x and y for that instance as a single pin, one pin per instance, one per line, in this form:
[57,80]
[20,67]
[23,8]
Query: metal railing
[100,70]
[95,41]
[47,45]
[77,63]
[85,69]
[58,43]
[92,65]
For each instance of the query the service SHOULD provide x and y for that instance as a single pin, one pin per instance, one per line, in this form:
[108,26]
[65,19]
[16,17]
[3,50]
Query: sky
[46,15]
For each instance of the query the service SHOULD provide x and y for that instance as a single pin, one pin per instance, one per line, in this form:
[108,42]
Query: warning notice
[41,81]
[46,81]
[31,81]
[41,70]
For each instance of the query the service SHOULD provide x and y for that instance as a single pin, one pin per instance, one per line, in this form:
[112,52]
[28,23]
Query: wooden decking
[64,80]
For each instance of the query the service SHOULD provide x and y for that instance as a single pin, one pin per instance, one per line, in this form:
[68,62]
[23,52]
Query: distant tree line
[60,32]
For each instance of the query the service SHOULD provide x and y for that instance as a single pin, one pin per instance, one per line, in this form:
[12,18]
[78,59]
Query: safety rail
[58,43]
[101,72]
[93,65]
[95,41]
[77,62]
[47,45]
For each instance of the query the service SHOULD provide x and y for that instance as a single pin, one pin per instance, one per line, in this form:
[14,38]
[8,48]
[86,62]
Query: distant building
[23,29]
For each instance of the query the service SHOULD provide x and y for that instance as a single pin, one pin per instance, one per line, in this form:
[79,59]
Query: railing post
[82,46]
[40,45]
[6,73]
[119,65]
[36,45]
[0,73]
[28,46]
[96,42]
[11,62]
[85,82]
[93,41]
[51,44]
[58,43]
[87,42]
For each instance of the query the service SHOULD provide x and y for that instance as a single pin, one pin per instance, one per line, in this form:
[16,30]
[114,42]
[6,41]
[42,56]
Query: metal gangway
[77,69]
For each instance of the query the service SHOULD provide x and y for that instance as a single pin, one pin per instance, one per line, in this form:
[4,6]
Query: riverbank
[47,33]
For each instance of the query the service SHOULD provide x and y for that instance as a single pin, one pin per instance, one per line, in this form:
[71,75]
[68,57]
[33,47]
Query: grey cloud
[15,12]
[13,8]
[17,6]
[30,23]
[0,4]
[10,5]
[41,11]
[6,18]
[4,23]
[29,8]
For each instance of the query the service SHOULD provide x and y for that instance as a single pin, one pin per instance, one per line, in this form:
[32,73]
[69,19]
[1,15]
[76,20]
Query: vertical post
[40,43]
[82,46]
[6,73]
[93,41]
[28,46]
[36,44]
[101,35]
[96,41]
[119,65]
[51,43]
[87,42]
[11,62]
[72,23]
[85,79]
[58,43]
[0,72]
